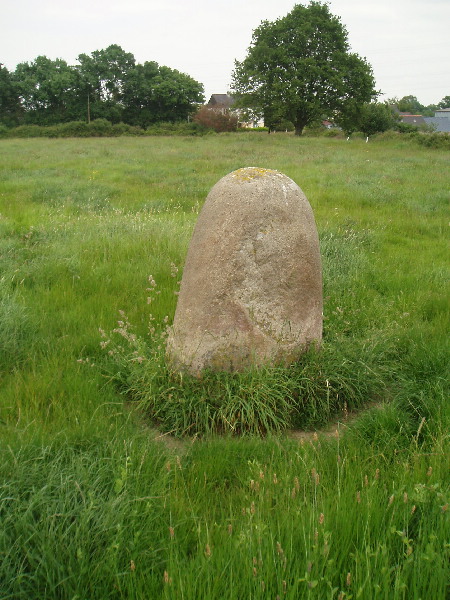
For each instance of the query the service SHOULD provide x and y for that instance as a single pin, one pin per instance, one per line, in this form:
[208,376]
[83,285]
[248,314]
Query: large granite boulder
[251,292]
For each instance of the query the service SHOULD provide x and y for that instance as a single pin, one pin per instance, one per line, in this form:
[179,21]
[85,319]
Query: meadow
[122,480]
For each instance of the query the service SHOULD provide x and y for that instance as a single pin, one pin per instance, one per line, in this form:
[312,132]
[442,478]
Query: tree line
[299,70]
[106,84]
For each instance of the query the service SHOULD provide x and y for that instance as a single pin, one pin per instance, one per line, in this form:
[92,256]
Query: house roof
[412,119]
[221,100]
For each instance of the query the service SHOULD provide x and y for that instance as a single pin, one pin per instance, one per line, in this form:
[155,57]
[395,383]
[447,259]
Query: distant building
[440,122]
[442,113]
[224,103]
[416,120]
[221,102]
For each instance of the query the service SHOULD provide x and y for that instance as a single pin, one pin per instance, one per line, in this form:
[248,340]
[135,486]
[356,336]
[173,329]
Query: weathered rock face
[251,292]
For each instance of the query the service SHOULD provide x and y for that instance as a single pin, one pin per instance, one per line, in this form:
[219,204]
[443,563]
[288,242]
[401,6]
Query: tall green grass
[95,502]
[125,518]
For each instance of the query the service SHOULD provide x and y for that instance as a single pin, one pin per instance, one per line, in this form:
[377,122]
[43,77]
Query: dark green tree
[10,107]
[348,117]
[155,93]
[107,84]
[176,94]
[104,74]
[375,117]
[410,104]
[300,67]
[445,102]
[48,90]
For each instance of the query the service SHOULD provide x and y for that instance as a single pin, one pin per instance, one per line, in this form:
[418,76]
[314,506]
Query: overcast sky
[407,42]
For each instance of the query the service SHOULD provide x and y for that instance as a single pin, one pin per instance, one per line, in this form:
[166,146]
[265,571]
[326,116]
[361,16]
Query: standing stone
[251,292]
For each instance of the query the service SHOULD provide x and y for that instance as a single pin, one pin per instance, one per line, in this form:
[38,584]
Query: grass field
[96,502]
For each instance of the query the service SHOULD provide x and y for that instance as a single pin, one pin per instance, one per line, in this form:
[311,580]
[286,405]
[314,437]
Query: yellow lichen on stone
[249,173]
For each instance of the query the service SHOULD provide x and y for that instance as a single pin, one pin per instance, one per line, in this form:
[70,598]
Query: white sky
[407,42]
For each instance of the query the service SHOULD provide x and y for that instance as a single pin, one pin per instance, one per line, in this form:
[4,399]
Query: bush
[216,120]
[434,140]
[3,130]
[28,131]
[100,128]
[180,128]
[125,129]
[97,128]
[333,133]
[406,128]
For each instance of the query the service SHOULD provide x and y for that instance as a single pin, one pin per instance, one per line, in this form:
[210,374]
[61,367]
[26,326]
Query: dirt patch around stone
[334,429]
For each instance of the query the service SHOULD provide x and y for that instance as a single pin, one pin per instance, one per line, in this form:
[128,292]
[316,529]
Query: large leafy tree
[48,90]
[155,93]
[104,74]
[375,117]
[300,68]
[10,107]
[410,104]
[105,84]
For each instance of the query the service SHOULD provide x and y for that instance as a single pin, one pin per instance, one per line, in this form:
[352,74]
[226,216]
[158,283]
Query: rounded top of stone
[252,173]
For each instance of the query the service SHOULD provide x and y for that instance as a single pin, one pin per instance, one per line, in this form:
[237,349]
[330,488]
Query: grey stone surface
[251,292]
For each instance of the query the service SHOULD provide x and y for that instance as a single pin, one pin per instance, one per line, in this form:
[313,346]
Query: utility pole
[89,109]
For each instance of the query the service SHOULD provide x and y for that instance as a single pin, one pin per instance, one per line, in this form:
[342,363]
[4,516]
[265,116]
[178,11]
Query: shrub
[180,128]
[28,131]
[100,127]
[125,129]
[3,130]
[216,120]
[434,140]
[333,133]
[97,128]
